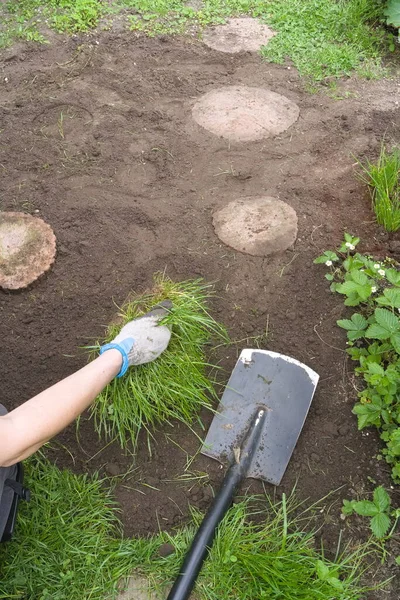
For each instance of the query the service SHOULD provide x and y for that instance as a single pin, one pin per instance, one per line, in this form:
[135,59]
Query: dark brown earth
[99,139]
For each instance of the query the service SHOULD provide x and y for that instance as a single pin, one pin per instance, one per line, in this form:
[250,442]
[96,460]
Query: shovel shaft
[205,535]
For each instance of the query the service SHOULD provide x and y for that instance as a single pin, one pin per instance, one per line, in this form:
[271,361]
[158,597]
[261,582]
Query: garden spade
[255,430]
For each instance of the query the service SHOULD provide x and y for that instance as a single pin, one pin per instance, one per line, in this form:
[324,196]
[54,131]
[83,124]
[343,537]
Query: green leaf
[322,570]
[375,369]
[347,508]
[328,255]
[356,353]
[348,287]
[368,414]
[377,332]
[331,255]
[380,524]
[359,277]
[394,442]
[391,297]
[354,335]
[354,326]
[392,13]
[387,319]
[393,276]
[335,583]
[395,341]
[346,324]
[333,286]
[352,300]
[359,321]
[381,499]
[329,276]
[365,508]
[321,260]
[397,560]
[364,291]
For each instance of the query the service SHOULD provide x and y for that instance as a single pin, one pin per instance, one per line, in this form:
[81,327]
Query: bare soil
[97,135]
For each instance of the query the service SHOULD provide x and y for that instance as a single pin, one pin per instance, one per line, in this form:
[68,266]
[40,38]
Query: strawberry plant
[383,518]
[378,509]
[392,13]
[373,338]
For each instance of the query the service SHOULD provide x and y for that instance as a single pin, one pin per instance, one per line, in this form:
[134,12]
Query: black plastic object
[204,537]
[20,492]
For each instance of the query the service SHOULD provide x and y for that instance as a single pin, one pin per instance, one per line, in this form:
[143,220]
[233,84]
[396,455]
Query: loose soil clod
[243,114]
[27,249]
[257,226]
[238,35]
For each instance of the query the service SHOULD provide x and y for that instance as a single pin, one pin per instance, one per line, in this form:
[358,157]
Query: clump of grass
[275,557]
[67,543]
[176,385]
[326,38]
[383,178]
[68,546]
[62,15]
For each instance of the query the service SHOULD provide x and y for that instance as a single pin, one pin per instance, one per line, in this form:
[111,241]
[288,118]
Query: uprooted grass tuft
[176,385]
[68,546]
[383,178]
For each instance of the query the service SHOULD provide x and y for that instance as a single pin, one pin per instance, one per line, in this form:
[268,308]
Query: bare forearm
[26,428]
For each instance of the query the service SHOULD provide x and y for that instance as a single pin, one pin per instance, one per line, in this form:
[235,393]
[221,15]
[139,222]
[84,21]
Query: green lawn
[68,546]
[323,38]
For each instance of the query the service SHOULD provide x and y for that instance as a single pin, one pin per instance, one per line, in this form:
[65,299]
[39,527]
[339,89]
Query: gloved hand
[142,340]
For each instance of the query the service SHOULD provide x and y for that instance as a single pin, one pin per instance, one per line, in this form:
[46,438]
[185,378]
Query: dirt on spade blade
[97,136]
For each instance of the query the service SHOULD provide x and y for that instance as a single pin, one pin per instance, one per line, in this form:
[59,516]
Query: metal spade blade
[282,385]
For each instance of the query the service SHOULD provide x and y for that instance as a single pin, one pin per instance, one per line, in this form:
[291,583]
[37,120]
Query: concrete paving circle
[243,114]
[256,225]
[238,35]
[27,249]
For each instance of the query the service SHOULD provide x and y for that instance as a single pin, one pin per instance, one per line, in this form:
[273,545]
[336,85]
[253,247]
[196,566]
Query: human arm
[25,429]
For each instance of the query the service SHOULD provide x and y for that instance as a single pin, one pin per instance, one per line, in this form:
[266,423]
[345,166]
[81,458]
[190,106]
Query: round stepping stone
[238,35]
[256,225]
[27,249]
[243,114]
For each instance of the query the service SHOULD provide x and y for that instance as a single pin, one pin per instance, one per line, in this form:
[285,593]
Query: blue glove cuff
[123,347]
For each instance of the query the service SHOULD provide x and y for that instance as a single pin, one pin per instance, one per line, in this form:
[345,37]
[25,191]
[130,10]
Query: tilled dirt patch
[99,138]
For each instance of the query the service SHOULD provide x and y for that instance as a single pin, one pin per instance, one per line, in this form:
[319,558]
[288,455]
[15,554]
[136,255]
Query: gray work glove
[143,339]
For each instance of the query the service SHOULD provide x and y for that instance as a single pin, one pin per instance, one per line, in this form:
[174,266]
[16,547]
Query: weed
[60,125]
[175,386]
[383,518]
[68,546]
[383,179]
[373,336]
[62,15]
[79,15]
[378,510]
